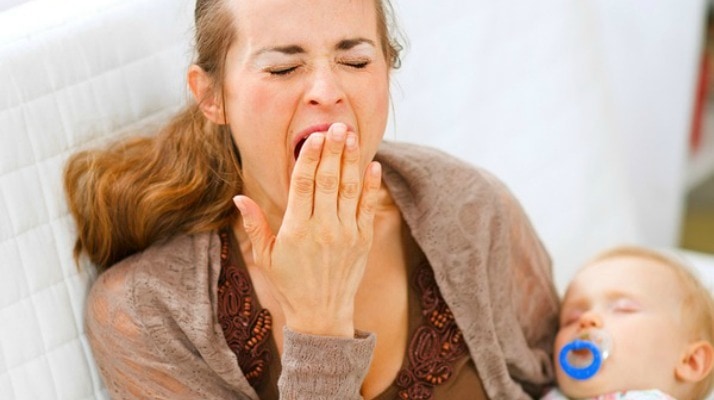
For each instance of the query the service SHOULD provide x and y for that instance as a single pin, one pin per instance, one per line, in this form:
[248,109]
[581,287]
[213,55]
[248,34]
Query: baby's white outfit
[555,394]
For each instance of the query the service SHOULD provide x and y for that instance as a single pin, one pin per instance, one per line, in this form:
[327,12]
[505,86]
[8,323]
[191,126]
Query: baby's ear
[696,363]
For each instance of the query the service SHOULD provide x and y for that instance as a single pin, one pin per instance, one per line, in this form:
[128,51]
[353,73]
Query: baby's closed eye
[570,316]
[625,305]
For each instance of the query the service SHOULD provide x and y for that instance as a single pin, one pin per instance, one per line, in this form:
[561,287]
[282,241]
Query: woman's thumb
[257,228]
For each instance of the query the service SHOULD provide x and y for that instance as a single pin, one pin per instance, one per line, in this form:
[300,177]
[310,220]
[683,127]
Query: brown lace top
[437,363]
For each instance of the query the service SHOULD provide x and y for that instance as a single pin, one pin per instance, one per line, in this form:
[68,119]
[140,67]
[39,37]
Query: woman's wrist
[322,326]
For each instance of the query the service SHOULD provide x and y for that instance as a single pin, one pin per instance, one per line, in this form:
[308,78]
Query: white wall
[5,4]
[582,107]
[651,61]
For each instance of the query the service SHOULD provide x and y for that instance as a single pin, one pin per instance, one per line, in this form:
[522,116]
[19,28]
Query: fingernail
[375,169]
[351,141]
[238,201]
[339,130]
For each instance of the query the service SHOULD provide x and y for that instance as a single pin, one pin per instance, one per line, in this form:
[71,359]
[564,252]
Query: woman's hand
[317,259]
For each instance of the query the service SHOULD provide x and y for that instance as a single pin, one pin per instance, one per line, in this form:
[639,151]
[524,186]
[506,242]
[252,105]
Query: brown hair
[698,303]
[147,189]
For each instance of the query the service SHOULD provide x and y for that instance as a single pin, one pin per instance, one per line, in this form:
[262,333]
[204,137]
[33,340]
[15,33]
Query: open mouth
[305,133]
[298,148]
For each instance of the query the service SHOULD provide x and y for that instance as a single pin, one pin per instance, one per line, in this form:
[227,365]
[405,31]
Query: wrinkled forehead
[303,20]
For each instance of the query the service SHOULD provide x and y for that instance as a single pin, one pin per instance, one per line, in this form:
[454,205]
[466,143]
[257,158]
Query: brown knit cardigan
[152,324]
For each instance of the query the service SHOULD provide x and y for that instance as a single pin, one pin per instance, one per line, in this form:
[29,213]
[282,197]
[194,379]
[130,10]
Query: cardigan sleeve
[132,363]
[324,368]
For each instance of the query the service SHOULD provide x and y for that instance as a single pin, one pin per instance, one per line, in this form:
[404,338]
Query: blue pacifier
[583,357]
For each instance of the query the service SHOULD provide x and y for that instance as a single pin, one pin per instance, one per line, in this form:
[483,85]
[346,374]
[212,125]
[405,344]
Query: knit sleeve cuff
[324,367]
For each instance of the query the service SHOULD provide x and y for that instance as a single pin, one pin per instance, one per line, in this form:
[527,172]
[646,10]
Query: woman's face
[296,67]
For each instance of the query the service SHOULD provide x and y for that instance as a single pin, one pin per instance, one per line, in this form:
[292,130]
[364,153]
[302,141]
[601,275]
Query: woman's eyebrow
[292,49]
[289,50]
[350,43]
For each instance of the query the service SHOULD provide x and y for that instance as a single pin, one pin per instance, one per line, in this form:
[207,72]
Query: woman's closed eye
[282,70]
[357,64]
[287,70]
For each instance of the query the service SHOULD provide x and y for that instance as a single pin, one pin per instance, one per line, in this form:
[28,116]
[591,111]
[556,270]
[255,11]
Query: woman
[316,281]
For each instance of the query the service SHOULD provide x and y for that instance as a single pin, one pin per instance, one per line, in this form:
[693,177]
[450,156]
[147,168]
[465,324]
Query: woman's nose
[325,88]
[590,319]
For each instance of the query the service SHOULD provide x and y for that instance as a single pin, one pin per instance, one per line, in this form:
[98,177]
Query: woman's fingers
[368,201]
[327,179]
[302,182]
[350,185]
[256,226]
[326,184]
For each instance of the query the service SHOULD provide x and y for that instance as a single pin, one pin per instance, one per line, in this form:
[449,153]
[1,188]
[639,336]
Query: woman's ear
[696,363]
[202,88]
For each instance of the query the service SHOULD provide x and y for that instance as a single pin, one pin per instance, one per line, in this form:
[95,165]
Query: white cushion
[75,73]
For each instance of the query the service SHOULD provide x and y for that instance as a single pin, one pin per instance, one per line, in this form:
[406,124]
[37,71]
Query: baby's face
[638,301]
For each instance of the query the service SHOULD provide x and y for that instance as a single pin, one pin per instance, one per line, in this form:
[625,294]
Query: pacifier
[583,357]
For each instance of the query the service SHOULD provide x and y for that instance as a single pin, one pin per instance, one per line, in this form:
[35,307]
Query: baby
[634,325]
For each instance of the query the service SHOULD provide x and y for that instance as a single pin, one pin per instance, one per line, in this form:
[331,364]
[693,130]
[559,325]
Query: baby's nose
[590,320]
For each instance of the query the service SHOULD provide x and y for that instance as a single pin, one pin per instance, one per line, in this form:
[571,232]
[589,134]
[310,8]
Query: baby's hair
[698,304]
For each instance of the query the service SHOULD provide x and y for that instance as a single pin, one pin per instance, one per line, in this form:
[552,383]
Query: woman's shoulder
[164,276]
[418,171]
[412,153]
[169,260]
[431,164]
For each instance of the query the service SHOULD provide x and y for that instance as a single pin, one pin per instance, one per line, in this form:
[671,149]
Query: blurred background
[698,223]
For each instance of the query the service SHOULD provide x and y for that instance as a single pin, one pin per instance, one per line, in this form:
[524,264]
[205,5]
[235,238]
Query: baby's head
[658,315]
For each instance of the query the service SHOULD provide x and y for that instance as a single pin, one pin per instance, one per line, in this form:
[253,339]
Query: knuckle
[350,190]
[373,185]
[304,184]
[327,183]
[367,208]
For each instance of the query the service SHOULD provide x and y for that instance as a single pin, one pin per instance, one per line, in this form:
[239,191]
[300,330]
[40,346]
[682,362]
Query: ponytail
[147,189]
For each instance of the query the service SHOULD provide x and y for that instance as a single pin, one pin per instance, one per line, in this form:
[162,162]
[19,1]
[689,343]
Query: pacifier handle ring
[585,372]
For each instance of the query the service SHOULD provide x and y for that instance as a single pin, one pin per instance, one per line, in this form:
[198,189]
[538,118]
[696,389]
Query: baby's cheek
[561,338]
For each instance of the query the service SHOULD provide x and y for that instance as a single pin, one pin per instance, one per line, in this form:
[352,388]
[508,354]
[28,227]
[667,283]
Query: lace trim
[436,344]
[246,329]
